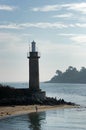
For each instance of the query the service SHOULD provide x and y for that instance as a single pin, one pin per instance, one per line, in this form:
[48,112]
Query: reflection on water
[36,120]
[63,119]
[32,121]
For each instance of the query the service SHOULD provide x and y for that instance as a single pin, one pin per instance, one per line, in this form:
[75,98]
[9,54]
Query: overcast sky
[58,28]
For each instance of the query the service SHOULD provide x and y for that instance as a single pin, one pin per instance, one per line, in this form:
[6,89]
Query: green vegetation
[71,75]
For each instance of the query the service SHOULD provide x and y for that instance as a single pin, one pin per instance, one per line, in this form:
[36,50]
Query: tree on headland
[58,72]
[71,75]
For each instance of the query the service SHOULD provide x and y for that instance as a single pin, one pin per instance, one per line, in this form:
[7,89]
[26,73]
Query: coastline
[18,110]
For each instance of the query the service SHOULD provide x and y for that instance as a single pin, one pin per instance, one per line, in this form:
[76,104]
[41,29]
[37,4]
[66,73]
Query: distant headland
[71,75]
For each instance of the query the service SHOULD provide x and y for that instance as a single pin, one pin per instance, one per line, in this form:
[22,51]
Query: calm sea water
[63,119]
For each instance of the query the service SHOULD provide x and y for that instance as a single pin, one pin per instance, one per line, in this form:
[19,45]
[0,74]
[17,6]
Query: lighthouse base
[37,94]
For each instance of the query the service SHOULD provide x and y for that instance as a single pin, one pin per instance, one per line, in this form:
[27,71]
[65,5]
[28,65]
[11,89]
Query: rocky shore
[11,96]
[32,101]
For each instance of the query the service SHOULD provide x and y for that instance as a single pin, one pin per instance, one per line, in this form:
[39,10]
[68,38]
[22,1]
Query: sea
[60,119]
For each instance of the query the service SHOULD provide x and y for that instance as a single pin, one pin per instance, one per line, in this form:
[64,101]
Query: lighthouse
[34,87]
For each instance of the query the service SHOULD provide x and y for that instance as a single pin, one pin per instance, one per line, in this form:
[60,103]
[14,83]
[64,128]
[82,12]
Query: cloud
[12,42]
[79,38]
[66,34]
[68,15]
[5,37]
[14,39]
[47,8]
[80,7]
[42,25]
[7,8]
[81,25]
[10,26]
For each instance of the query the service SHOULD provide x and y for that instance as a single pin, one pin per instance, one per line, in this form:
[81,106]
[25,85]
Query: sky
[57,26]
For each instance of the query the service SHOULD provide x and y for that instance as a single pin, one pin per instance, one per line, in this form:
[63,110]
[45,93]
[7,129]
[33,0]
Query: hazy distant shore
[18,110]
[71,75]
